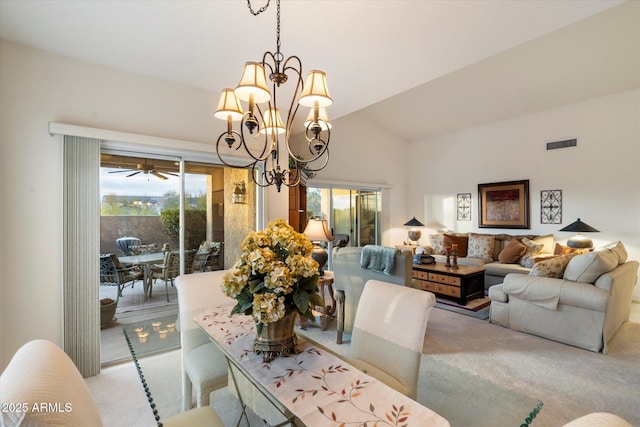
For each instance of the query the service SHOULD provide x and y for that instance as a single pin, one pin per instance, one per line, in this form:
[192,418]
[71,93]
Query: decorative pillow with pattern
[480,246]
[552,267]
[533,248]
[436,241]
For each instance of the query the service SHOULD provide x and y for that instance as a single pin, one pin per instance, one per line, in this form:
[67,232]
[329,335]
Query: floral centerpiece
[274,277]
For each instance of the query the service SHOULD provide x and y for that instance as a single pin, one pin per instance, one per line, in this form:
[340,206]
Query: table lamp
[317,231]
[579,241]
[414,234]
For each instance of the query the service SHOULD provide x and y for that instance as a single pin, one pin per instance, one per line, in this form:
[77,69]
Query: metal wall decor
[551,207]
[464,207]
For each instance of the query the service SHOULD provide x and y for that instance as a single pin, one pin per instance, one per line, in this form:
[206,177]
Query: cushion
[547,243]
[436,241]
[619,251]
[561,249]
[552,267]
[533,248]
[480,246]
[588,267]
[461,241]
[512,252]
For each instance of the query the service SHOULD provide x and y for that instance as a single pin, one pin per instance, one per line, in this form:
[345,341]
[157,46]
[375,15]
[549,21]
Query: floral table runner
[315,385]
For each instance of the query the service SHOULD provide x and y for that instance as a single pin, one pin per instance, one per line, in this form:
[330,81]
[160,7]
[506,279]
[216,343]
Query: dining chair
[388,334]
[204,366]
[204,416]
[167,271]
[112,273]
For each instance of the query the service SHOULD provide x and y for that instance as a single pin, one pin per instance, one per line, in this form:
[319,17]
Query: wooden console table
[461,284]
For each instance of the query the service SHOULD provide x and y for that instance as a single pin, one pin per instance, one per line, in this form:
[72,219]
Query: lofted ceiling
[415,68]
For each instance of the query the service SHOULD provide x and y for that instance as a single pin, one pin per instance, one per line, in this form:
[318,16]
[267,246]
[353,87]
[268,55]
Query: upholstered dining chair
[204,367]
[388,334]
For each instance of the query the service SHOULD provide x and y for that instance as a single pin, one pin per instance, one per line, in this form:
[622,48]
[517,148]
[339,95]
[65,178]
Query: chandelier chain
[262,9]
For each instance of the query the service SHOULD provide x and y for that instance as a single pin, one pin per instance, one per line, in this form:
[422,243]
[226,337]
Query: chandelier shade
[253,82]
[315,91]
[263,118]
[272,122]
[229,106]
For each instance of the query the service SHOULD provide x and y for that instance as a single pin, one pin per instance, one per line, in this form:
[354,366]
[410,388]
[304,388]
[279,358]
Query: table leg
[339,297]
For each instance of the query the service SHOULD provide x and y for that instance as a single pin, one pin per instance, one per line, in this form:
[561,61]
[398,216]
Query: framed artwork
[551,207]
[504,204]
[464,207]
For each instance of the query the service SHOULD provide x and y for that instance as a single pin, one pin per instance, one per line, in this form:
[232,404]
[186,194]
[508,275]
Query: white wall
[599,179]
[38,87]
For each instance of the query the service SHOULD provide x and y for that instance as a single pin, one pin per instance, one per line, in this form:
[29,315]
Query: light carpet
[571,382]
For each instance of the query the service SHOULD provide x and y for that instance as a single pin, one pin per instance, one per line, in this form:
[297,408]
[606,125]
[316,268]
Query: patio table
[145,261]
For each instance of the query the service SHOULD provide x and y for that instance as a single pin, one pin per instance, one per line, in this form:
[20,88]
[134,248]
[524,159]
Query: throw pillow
[480,246]
[461,241]
[619,251]
[526,260]
[436,241]
[512,252]
[547,243]
[588,267]
[552,267]
[561,249]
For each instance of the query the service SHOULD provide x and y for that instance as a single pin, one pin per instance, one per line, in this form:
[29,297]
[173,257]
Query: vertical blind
[81,246]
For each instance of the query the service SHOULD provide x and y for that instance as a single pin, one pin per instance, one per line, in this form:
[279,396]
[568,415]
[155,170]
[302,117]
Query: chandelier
[263,122]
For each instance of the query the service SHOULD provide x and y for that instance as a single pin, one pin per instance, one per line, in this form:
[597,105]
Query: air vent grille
[562,144]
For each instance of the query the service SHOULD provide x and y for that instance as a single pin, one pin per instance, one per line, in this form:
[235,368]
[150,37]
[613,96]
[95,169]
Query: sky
[146,184]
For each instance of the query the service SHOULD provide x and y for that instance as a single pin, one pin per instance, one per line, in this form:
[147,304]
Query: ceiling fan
[146,169]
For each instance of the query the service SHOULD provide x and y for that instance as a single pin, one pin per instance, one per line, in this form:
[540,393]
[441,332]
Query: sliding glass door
[352,212]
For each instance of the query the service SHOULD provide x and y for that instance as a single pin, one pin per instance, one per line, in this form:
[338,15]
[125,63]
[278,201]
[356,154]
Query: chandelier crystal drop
[262,120]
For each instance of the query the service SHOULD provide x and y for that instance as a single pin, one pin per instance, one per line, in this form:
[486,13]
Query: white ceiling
[416,68]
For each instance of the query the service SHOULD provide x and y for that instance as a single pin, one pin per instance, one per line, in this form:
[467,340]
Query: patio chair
[112,273]
[189,257]
[207,256]
[144,249]
[167,272]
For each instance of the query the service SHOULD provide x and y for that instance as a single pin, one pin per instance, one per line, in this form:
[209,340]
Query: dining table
[145,261]
[313,387]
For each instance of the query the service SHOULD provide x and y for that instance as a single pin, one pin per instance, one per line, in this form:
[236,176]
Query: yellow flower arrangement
[274,275]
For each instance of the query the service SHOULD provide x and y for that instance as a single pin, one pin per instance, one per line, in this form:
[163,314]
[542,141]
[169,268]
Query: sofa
[487,250]
[576,299]
[350,278]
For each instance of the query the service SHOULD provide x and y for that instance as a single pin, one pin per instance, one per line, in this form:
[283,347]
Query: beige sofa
[350,278]
[494,270]
[584,307]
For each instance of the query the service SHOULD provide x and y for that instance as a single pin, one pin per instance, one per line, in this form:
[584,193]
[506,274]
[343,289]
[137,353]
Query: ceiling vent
[562,144]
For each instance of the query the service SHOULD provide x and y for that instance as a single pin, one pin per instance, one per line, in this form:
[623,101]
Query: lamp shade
[272,122]
[317,230]
[253,82]
[229,106]
[413,222]
[579,227]
[315,90]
